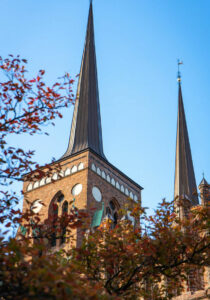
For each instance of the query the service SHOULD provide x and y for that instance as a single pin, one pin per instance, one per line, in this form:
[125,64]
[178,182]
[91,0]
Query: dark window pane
[60,198]
[115,219]
[112,205]
[108,211]
[63,232]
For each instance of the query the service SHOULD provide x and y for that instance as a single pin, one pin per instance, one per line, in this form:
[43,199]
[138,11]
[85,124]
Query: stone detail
[68,171]
[110,179]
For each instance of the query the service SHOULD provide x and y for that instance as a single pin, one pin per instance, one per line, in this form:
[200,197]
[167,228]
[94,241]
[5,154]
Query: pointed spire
[86,132]
[185,184]
[203,181]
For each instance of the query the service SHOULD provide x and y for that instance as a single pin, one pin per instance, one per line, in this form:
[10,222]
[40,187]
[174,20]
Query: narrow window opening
[63,225]
[54,224]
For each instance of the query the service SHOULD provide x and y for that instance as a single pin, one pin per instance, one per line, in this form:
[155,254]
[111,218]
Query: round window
[76,190]
[96,194]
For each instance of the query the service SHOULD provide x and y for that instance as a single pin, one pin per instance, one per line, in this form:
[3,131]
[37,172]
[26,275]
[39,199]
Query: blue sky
[137,44]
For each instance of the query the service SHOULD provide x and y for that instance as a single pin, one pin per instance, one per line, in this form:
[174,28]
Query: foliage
[150,259]
[132,261]
[25,106]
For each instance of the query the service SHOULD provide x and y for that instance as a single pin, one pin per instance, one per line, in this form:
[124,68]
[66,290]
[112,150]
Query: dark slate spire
[86,129]
[185,184]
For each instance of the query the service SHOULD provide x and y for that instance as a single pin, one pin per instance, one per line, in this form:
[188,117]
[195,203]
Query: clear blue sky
[137,44]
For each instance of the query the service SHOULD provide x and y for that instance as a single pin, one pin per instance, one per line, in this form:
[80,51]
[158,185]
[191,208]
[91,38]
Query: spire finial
[203,175]
[179,62]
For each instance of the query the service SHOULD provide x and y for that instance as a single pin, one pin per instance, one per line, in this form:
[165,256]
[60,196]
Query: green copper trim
[97,217]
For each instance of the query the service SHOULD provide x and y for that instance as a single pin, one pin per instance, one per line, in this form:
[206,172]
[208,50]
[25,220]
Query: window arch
[80,166]
[135,198]
[53,216]
[53,221]
[63,222]
[108,178]
[122,189]
[126,192]
[73,169]
[116,203]
[60,198]
[55,176]
[42,181]
[111,212]
[99,171]
[93,167]
[61,174]
[103,175]
[48,180]
[29,187]
[113,182]
[36,184]
[67,172]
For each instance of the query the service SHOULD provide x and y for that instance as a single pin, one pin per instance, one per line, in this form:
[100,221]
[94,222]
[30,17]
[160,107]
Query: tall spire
[185,184]
[86,132]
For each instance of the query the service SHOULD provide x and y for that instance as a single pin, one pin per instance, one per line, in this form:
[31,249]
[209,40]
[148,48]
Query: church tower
[185,196]
[87,178]
[185,189]
[204,188]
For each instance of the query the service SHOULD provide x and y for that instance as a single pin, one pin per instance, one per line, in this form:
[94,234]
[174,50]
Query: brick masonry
[88,178]
[112,183]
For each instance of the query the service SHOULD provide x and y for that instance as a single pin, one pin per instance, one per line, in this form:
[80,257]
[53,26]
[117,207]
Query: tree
[25,106]
[150,259]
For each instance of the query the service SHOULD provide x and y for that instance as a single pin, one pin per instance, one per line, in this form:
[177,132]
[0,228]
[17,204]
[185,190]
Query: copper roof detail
[185,184]
[86,129]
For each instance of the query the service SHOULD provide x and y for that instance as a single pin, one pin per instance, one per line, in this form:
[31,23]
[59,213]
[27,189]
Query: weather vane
[179,62]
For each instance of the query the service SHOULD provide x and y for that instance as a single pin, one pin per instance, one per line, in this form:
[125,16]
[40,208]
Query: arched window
[113,182]
[74,169]
[30,187]
[135,198]
[93,167]
[55,176]
[99,171]
[122,189]
[48,180]
[53,216]
[111,204]
[36,184]
[42,182]
[103,175]
[108,178]
[60,198]
[111,212]
[80,166]
[67,172]
[63,225]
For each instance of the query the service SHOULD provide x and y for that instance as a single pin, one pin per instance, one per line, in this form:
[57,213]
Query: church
[87,179]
